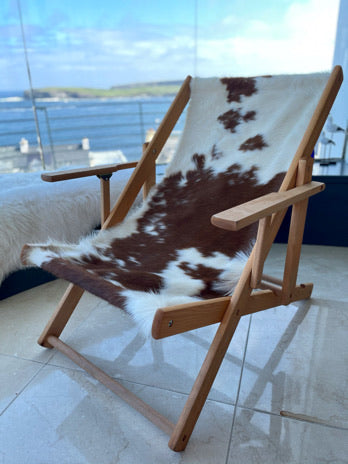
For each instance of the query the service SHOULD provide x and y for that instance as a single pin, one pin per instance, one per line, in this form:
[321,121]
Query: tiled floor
[292,359]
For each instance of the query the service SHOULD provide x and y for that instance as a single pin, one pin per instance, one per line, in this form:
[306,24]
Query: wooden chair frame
[268,210]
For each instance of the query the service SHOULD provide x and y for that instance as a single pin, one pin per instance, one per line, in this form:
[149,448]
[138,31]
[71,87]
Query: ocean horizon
[110,124]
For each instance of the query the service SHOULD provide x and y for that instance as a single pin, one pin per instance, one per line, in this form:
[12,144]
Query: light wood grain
[135,402]
[183,318]
[151,180]
[178,319]
[265,299]
[297,224]
[104,198]
[58,176]
[260,251]
[247,213]
[62,314]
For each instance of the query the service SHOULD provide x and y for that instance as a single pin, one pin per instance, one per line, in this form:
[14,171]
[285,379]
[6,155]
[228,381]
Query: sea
[109,124]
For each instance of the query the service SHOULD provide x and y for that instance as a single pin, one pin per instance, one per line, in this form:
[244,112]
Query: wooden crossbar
[147,411]
[182,318]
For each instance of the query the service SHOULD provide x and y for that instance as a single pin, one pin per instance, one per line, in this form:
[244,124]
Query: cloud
[301,41]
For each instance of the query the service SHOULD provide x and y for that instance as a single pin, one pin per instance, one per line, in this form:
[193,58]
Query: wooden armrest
[85,172]
[247,213]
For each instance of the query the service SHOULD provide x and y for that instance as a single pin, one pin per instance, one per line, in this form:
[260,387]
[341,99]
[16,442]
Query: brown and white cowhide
[239,139]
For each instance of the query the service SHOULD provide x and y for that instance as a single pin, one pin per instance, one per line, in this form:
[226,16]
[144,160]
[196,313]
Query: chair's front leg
[203,383]
[62,314]
[212,362]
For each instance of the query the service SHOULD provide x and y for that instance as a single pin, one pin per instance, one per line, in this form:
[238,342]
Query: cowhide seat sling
[183,260]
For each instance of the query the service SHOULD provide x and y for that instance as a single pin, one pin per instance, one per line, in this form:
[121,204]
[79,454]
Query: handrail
[123,125]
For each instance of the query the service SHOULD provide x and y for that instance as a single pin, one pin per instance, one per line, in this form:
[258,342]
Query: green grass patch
[151,90]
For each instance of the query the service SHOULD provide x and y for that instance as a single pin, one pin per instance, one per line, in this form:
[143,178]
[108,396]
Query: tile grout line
[21,358]
[43,365]
[238,390]
[22,389]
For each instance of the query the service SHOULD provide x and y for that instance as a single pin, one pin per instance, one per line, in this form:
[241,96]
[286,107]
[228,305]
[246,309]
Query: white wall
[340,108]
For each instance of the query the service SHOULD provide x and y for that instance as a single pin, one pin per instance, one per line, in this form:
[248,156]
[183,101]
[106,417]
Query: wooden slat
[260,251]
[269,286]
[85,172]
[243,215]
[181,318]
[304,171]
[265,299]
[151,180]
[145,165]
[273,280]
[297,224]
[147,411]
[104,198]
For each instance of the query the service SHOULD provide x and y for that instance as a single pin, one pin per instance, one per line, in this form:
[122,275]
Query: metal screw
[170,323]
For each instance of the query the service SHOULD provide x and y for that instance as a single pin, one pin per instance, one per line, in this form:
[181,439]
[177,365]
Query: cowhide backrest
[240,137]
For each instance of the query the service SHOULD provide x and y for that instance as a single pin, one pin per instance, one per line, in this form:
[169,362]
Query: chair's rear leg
[203,384]
[297,225]
[62,314]
[298,219]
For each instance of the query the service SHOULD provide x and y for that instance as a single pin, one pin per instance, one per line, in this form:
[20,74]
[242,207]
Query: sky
[101,43]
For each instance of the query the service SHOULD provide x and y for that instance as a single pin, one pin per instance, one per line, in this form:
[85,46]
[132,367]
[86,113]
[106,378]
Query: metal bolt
[170,323]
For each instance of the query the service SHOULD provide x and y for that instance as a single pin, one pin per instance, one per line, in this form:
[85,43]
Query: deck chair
[193,254]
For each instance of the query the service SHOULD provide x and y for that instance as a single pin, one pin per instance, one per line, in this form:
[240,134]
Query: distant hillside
[150,89]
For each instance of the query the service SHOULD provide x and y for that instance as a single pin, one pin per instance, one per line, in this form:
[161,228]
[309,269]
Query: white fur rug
[32,210]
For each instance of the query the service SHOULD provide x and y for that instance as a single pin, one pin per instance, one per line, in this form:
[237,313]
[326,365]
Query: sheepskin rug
[239,139]
[34,211]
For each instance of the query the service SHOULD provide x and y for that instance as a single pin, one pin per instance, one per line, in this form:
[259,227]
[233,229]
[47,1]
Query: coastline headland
[149,89]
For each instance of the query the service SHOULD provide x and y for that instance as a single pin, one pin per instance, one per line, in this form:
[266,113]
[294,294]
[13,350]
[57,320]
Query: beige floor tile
[263,438]
[23,317]
[297,360]
[110,339]
[325,266]
[65,417]
[15,374]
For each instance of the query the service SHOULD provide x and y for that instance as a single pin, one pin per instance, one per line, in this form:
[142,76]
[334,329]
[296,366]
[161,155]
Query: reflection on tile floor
[296,361]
